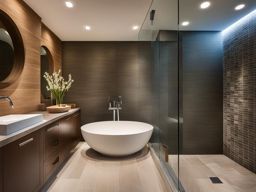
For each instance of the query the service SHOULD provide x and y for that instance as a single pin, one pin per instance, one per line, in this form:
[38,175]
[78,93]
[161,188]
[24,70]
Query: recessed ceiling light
[135,27]
[185,23]
[69,4]
[87,27]
[239,7]
[205,5]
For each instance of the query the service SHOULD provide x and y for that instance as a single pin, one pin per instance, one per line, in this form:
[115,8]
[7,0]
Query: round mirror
[46,66]
[6,54]
[11,51]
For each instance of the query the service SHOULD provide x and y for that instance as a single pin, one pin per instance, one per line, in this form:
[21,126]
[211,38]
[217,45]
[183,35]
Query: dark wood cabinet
[51,165]
[52,139]
[60,139]
[22,164]
[51,149]
[29,163]
[69,134]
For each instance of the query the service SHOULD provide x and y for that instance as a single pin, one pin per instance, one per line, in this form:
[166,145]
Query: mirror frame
[19,52]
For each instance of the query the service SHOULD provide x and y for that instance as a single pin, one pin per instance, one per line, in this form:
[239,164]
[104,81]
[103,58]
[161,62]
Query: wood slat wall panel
[25,92]
[53,43]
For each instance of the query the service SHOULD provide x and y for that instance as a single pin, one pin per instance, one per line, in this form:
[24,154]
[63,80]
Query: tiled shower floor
[195,171]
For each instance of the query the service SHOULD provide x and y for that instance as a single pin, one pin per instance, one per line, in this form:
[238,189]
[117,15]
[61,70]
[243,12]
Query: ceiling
[219,16]
[112,20]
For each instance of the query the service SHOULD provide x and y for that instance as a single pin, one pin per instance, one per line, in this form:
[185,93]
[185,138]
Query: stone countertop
[48,119]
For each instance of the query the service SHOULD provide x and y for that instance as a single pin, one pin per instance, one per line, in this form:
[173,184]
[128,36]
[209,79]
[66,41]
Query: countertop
[48,119]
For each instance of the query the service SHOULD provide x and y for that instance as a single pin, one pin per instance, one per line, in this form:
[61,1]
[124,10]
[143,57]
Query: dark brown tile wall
[240,93]
[202,92]
[103,69]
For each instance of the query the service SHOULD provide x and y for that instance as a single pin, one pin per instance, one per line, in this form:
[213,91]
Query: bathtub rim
[150,129]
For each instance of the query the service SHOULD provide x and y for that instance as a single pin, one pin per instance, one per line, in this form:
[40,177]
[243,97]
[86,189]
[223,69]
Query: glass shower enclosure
[160,28]
[204,103]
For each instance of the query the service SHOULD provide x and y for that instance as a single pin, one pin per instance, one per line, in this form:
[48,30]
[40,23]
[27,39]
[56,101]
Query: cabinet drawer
[52,140]
[21,164]
[51,164]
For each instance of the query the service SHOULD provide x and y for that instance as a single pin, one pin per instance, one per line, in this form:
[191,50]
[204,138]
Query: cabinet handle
[56,160]
[68,118]
[26,142]
[50,128]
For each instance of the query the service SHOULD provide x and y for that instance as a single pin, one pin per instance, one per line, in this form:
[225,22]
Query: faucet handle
[120,99]
[109,102]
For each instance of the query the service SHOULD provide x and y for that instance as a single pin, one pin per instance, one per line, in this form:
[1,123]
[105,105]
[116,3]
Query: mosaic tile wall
[240,92]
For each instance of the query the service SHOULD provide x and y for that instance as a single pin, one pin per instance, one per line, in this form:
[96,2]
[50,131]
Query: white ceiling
[112,20]
[219,16]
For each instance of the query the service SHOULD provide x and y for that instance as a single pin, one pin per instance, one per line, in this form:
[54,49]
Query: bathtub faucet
[115,106]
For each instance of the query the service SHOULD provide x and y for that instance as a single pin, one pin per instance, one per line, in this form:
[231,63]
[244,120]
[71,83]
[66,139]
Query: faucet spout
[8,99]
[115,106]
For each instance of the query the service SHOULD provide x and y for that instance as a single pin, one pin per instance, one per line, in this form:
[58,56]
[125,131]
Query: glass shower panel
[160,28]
[217,63]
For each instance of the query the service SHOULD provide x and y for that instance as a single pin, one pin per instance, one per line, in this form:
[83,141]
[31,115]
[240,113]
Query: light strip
[240,22]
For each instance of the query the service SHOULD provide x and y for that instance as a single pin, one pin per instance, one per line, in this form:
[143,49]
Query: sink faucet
[115,106]
[8,99]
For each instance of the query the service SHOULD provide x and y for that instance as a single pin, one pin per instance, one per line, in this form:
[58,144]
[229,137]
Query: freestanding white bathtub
[117,138]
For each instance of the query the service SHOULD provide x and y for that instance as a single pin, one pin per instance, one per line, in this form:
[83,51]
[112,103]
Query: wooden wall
[26,91]
[53,43]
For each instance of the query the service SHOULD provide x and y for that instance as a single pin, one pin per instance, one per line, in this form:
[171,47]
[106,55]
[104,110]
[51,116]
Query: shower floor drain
[215,180]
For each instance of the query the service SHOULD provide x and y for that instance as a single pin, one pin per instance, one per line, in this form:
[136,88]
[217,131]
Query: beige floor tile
[88,171]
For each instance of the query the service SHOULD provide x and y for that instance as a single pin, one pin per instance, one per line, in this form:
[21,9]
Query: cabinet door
[69,134]
[21,164]
[51,149]
[52,140]
[76,136]
[77,120]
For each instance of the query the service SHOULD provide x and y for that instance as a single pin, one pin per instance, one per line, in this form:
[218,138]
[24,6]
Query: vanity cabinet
[60,139]
[22,164]
[29,162]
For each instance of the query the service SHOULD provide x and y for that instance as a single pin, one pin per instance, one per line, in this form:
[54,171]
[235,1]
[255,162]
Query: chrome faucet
[115,106]
[119,102]
[8,99]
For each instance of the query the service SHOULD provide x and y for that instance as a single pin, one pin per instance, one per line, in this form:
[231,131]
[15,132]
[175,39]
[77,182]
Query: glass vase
[59,100]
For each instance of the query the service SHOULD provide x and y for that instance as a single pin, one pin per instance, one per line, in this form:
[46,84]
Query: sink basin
[12,123]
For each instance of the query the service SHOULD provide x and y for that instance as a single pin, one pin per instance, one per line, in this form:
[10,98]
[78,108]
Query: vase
[59,100]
